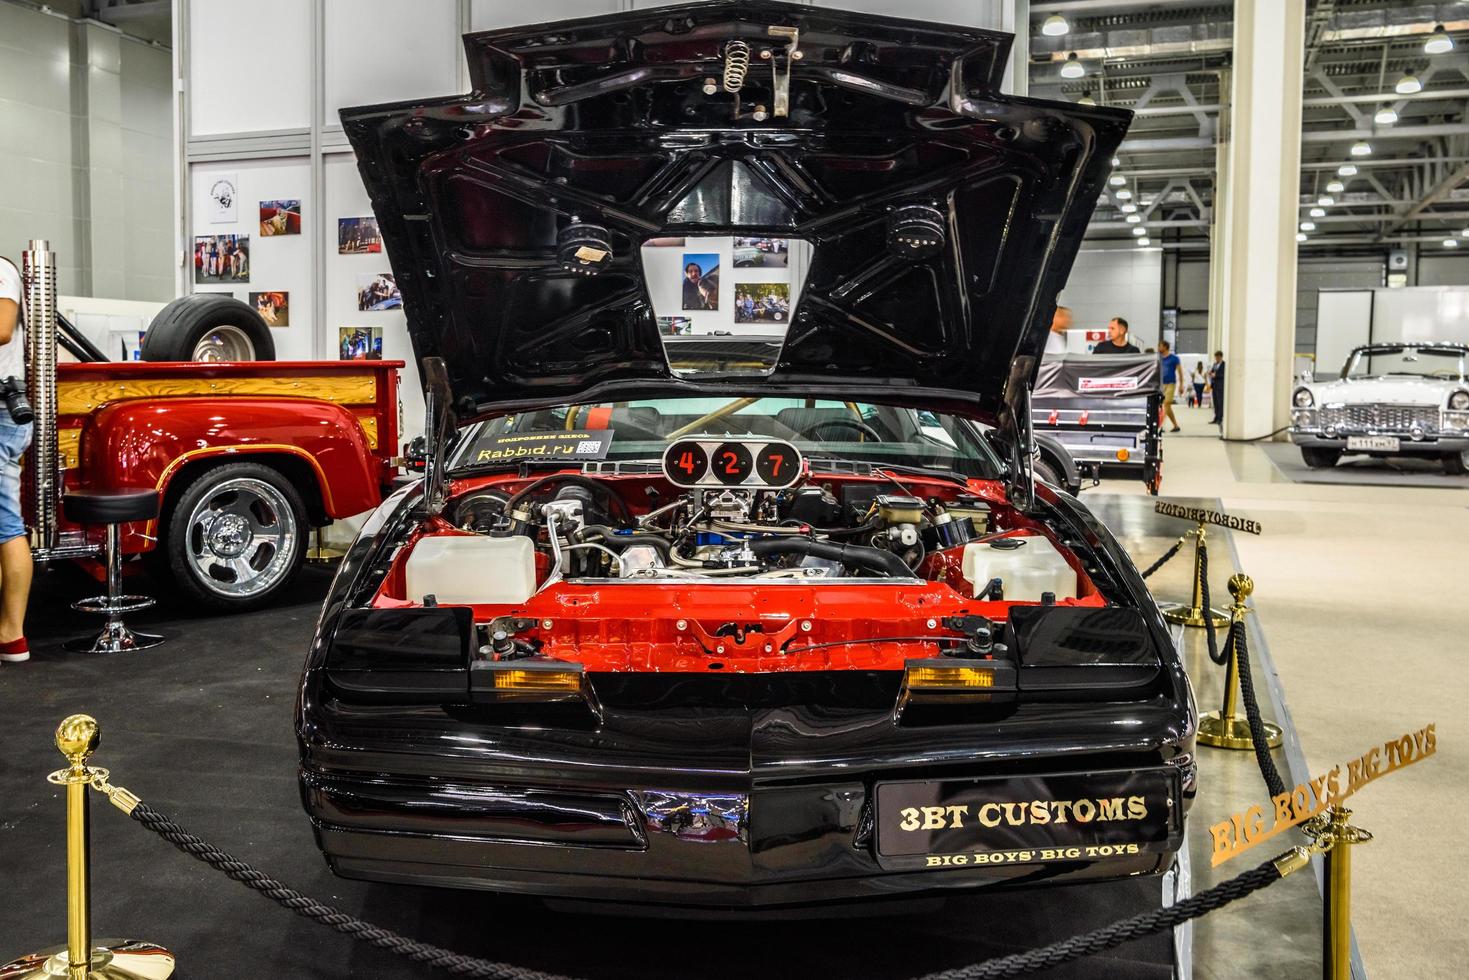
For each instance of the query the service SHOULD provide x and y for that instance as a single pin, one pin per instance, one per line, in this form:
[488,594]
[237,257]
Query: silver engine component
[728,505]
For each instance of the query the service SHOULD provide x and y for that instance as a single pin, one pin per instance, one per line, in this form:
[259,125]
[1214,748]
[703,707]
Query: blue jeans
[14,441]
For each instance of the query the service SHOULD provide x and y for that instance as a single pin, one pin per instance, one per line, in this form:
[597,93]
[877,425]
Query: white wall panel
[1125,282]
[280,262]
[388,51]
[250,65]
[1344,320]
[347,198]
[487,15]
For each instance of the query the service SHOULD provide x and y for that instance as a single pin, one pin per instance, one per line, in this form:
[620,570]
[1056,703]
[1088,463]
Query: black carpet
[201,728]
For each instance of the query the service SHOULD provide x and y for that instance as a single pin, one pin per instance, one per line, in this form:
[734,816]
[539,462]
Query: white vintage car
[1391,400]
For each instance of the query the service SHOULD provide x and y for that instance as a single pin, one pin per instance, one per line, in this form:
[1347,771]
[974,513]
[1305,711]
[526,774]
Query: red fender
[145,443]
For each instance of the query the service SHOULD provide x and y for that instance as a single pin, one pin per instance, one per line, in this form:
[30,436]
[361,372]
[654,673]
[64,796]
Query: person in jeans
[1199,379]
[15,545]
[1170,365]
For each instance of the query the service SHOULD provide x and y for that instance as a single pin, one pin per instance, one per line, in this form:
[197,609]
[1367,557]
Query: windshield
[1423,362]
[641,430]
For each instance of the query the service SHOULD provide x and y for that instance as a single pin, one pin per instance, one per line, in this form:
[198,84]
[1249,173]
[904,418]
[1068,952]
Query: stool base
[105,605]
[115,637]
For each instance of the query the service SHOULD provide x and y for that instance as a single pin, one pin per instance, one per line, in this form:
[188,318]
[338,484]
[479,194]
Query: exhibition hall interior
[616,489]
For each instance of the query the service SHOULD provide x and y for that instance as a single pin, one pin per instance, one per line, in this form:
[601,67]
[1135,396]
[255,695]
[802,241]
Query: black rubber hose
[576,478]
[851,555]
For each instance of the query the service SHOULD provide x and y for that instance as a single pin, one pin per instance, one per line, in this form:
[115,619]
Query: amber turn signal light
[951,680]
[1123,455]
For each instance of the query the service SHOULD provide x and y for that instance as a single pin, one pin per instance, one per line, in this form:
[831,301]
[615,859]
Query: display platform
[1363,470]
[200,728]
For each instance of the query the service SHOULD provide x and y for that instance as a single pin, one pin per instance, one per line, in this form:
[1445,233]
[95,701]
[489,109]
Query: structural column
[1257,239]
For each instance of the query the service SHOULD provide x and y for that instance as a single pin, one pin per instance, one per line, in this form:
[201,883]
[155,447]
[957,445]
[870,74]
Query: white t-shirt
[12,355]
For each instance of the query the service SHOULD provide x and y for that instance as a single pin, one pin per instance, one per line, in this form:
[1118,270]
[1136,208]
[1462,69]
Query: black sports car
[787,623]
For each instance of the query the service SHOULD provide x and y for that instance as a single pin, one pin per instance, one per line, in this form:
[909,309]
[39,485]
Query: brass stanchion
[1193,613]
[1335,835]
[1224,728]
[319,553]
[81,959]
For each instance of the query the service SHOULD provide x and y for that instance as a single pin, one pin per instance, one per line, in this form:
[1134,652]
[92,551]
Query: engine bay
[733,554]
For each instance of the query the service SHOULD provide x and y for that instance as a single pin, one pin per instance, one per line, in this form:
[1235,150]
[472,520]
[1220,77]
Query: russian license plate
[1378,444]
[1027,819]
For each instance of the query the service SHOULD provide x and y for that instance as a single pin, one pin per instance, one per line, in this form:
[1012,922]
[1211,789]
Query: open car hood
[513,216]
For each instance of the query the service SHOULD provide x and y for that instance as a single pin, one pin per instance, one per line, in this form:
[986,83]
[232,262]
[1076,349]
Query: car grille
[1387,418]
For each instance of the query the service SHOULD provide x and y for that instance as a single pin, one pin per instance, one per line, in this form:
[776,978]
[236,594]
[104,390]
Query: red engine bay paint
[735,626]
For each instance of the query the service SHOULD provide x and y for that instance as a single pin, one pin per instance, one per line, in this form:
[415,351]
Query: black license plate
[1085,816]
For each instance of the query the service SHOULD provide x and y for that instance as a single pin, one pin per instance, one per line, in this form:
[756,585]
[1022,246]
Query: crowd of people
[1203,380]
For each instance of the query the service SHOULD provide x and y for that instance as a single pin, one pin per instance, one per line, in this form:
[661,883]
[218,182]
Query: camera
[16,402]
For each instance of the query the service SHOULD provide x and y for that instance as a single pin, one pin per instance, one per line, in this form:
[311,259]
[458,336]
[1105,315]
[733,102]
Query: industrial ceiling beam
[1436,193]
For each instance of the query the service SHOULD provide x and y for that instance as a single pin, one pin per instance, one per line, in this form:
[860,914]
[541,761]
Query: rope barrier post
[123,959]
[1334,835]
[1193,613]
[319,553]
[1225,729]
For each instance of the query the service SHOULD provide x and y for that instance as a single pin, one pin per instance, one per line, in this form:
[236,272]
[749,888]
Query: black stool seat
[109,506]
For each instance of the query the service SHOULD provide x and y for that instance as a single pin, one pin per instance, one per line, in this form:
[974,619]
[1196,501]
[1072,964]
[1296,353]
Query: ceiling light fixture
[1347,170]
[1361,148]
[1318,212]
[1086,98]
[1450,243]
[1301,236]
[1409,84]
[1438,42]
[1335,187]
[1326,200]
[1139,230]
[1074,69]
[1145,240]
[1055,26]
[1308,226]
[1116,180]
[1128,208]
[1116,161]
[1386,116]
[1464,232]
[1123,194]
[1133,219]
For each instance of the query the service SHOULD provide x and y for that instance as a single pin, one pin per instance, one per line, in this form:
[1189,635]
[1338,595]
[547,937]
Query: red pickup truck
[247,457]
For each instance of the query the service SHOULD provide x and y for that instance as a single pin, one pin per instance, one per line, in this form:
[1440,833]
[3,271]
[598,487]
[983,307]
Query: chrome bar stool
[112,508]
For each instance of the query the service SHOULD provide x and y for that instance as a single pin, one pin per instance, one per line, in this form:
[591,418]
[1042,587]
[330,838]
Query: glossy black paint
[598,131]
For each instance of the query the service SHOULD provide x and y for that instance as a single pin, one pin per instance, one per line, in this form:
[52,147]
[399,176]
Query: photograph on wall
[762,253]
[762,302]
[675,326]
[378,292]
[221,258]
[280,218]
[222,195]
[700,281]
[665,242]
[358,236]
[274,308]
[360,343]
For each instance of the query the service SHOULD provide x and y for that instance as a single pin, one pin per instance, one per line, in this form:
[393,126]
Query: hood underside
[942,217]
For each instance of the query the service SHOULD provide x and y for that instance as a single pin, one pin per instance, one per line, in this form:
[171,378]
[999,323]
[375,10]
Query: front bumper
[1436,445]
[775,809]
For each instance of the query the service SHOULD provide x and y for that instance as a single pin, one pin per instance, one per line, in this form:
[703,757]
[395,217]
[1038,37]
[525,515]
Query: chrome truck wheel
[224,343]
[236,535]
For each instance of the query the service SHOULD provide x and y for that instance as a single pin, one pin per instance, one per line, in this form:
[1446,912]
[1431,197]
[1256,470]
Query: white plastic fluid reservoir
[472,569]
[1027,564]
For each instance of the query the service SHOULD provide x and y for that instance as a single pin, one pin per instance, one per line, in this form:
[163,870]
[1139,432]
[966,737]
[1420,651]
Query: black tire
[180,330]
[1456,464]
[1320,457]
[198,552]
[1046,473]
